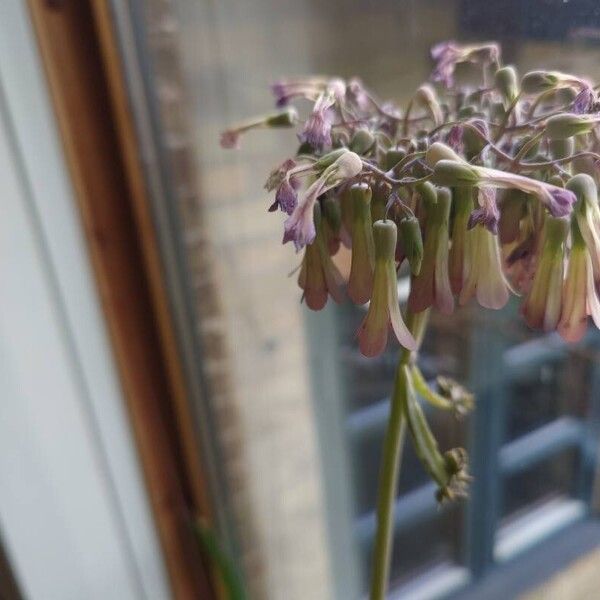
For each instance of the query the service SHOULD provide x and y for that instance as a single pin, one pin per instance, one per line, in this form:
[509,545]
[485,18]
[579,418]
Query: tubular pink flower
[431,287]
[483,266]
[299,226]
[463,205]
[384,308]
[573,319]
[317,129]
[587,213]
[448,54]
[543,304]
[309,88]
[360,283]
[487,214]
[557,200]
[319,277]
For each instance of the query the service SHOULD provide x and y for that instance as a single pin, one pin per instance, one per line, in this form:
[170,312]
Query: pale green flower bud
[385,235]
[362,141]
[438,151]
[536,82]
[427,192]
[393,157]
[284,118]
[506,83]
[566,125]
[452,174]
[411,243]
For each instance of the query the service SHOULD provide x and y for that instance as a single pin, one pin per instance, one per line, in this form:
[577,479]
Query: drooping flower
[573,319]
[426,97]
[539,82]
[309,88]
[319,277]
[454,139]
[410,243]
[584,101]
[431,287]
[512,210]
[462,200]
[558,201]
[448,54]
[487,214]
[356,93]
[317,129]
[483,267]
[230,138]
[384,308]
[566,125]
[543,304]
[360,283]
[286,196]
[587,213]
[299,226]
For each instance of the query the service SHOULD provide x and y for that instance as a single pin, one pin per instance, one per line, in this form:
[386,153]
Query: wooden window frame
[79,52]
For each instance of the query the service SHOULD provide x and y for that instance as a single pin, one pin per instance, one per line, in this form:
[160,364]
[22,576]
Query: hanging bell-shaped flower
[384,308]
[360,283]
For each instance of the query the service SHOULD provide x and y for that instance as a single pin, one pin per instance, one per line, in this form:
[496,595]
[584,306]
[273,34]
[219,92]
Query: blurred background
[292,414]
[307,411]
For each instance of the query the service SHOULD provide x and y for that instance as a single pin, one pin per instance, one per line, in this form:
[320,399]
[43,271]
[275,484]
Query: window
[300,417]
[532,439]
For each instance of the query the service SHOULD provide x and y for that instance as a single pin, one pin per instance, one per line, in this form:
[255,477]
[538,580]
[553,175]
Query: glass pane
[300,414]
[551,479]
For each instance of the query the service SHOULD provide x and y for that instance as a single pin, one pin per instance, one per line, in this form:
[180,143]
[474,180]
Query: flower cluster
[478,189]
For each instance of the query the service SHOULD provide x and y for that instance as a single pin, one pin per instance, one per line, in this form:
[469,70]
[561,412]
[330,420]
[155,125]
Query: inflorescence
[482,187]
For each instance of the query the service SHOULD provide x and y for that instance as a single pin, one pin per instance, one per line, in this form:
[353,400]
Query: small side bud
[385,235]
[438,151]
[536,82]
[360,282]
[427,192]
[451,173]
[506,83]
[284,118]
[411,242]
[566,125]
[362,141]
[393,157]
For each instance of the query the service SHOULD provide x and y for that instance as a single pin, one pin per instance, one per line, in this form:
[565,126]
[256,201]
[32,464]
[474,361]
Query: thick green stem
[390,466]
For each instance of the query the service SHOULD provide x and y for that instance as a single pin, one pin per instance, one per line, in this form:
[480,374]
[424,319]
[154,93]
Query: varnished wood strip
[126,281]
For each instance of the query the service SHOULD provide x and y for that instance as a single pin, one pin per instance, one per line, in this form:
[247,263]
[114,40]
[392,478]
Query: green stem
[390,468]
[388,482]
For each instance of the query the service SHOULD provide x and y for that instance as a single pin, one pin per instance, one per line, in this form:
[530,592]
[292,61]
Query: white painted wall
[74,515]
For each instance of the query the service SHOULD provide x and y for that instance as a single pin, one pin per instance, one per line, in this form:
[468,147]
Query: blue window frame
[532,441]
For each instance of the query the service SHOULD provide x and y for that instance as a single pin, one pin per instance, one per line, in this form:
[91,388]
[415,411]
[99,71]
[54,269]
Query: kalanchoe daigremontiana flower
[317,129]
[299,226]
[542,306]
[360,284]
[558,201]
[230,138]
[487,214]
[508,204]
[449,54]
[483,270]
[319,277]
[431,287]
[384,309]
